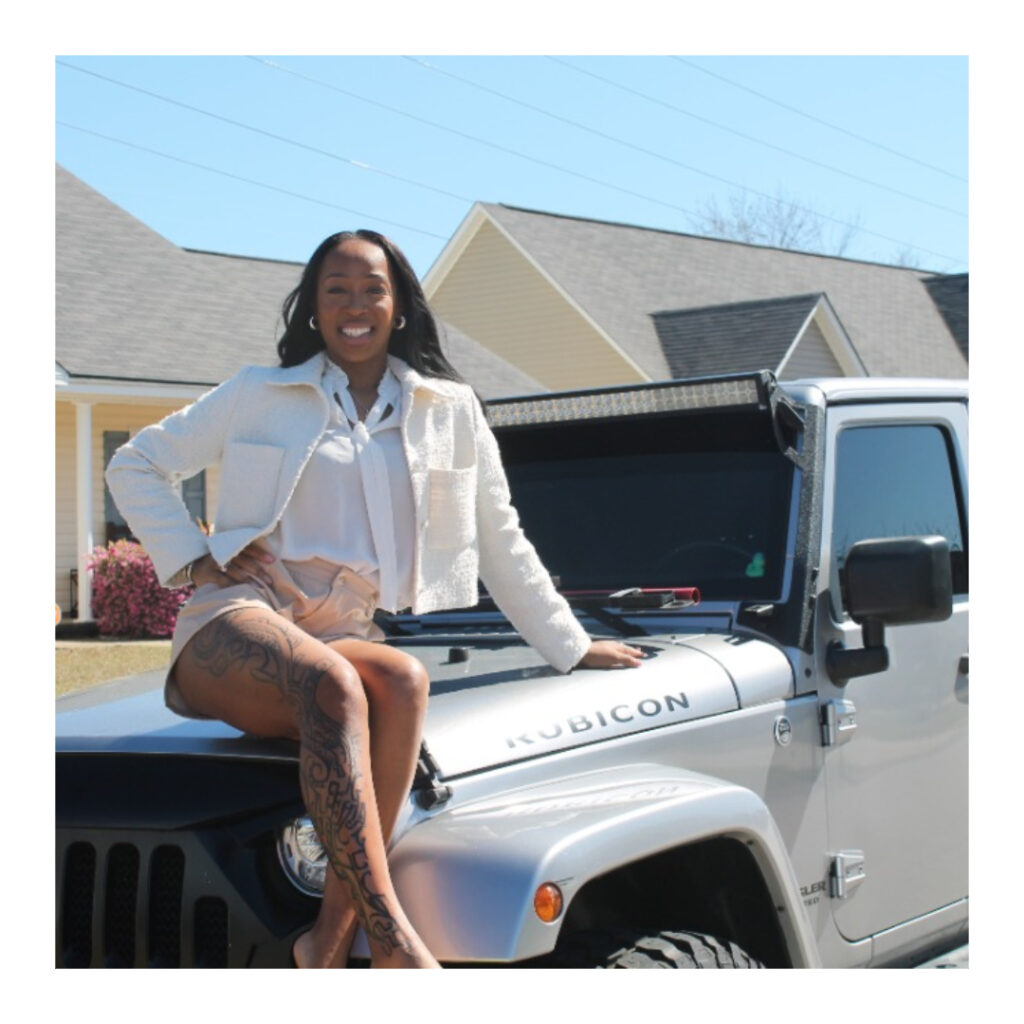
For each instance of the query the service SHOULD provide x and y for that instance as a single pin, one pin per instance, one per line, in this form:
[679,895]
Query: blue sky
[264,155]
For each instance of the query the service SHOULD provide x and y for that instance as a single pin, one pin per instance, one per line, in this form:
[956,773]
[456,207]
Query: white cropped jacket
[262,425]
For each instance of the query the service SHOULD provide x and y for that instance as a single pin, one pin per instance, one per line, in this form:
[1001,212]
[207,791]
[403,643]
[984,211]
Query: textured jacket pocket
[451,507]
[248,485]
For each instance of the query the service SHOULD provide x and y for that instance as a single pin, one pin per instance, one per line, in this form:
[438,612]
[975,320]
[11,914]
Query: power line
[472,138]
[819,120]
[250,181]
[742,135]
[351,161]
[577,174]
[274,65]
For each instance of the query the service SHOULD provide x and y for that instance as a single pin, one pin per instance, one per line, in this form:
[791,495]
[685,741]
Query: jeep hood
[491,703]
[506,705]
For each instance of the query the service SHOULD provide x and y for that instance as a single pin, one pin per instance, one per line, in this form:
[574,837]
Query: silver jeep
[782,783]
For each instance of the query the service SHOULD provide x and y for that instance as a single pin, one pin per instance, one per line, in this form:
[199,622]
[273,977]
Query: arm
[143,473]
[517,580]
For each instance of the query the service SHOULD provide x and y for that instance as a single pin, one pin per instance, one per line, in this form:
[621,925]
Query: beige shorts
[328,601]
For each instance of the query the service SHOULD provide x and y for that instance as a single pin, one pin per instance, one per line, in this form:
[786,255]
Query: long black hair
[418,343]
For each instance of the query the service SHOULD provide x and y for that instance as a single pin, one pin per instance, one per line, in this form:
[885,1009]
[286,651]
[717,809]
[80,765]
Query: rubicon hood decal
[648,707]
[540,711]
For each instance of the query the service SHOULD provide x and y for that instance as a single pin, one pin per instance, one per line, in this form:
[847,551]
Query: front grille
[76,907]
[119,918]
[102,924]
[211,935]
[167,871]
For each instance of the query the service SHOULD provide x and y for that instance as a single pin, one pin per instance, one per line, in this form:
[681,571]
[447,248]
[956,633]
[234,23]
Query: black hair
[418,343]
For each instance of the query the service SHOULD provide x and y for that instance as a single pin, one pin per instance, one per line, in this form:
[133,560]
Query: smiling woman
[412,335]
[360,475]
[355,311]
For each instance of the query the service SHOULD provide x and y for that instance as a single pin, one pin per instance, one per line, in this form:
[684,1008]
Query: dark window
[898,481]
[648,504]
[116,527]
[193,493]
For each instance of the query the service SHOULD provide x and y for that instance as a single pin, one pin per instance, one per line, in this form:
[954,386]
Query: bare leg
[396,686]
[313,693]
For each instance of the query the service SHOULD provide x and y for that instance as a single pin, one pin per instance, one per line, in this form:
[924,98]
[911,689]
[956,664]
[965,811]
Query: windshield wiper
[603,604]
[635,597]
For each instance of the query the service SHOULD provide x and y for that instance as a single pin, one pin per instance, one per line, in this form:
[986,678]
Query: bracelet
[188,573]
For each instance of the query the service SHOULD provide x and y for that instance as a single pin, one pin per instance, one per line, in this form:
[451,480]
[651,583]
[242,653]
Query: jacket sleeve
[511,569]
[144,473]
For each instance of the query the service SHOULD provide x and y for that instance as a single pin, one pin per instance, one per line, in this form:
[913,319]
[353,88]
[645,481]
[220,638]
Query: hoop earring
[313,325]
[400,324]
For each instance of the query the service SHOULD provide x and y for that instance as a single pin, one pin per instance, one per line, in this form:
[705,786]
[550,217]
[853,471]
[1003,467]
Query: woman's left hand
[612,654]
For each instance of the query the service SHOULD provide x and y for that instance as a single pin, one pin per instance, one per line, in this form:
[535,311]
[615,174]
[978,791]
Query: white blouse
[353,503]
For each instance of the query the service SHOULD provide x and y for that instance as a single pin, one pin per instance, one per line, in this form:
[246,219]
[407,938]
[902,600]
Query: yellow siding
[812,357]
[108,416]
[495,295]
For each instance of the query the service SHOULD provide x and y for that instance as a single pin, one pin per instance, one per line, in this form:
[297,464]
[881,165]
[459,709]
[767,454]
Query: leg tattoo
[330,776]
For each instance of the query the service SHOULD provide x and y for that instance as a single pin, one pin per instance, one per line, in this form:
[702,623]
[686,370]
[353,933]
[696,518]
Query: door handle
[960,689]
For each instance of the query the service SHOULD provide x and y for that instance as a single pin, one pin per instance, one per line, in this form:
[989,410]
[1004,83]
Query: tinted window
[897,481]
[193,493]
[716,521]
[116,528]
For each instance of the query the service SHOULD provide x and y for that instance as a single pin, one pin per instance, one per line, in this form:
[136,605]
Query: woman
[360,474]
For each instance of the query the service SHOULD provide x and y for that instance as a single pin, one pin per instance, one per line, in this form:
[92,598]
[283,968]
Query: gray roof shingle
[620,274]
[732,338]
[131,305]
[951,294]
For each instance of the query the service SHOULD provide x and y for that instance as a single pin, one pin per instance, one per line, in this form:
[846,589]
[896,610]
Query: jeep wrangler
[782,783]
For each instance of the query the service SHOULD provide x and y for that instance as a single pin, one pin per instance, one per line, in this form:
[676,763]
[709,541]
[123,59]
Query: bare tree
[907,257]
[775,220]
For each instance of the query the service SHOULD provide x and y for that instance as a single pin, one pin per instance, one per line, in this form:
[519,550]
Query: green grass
[85,663]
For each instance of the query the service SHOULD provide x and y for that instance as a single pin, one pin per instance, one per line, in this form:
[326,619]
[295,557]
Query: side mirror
[891,582]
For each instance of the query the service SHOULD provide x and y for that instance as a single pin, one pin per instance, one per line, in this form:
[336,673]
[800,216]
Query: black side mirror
[890,582]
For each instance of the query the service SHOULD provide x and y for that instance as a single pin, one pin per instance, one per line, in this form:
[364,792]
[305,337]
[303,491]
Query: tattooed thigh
[252,668]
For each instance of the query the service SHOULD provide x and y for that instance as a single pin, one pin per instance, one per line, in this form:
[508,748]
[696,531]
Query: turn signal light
[547,902]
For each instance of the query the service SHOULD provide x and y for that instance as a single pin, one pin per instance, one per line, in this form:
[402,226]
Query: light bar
[635,401]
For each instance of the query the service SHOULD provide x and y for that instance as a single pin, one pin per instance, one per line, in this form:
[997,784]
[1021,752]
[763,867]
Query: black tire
[635,949]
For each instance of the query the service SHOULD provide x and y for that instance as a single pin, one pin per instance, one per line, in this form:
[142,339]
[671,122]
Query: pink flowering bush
[127,599]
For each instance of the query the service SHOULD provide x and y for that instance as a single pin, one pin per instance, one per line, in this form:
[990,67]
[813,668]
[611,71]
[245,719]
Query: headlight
[302,856]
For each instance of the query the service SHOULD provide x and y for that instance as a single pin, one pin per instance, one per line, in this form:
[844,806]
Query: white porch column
[83,505]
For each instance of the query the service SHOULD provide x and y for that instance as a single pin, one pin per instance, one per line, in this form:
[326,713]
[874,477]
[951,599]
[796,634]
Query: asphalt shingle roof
[732,338]
[620,274]
[132,305]
[951,294]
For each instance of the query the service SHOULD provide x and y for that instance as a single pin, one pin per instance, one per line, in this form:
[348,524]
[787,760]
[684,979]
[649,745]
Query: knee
[337,691]
[405,683]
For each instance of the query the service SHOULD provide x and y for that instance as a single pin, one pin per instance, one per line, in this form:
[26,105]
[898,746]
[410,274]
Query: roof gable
[495,290]
[732,338]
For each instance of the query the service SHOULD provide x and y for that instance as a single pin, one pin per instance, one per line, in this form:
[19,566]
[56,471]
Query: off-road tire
[632,949]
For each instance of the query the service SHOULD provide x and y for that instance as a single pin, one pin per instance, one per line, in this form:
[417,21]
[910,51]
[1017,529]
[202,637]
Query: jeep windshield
[666,501]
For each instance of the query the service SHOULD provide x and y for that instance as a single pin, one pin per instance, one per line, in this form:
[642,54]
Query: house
[144,327]
[577,303]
